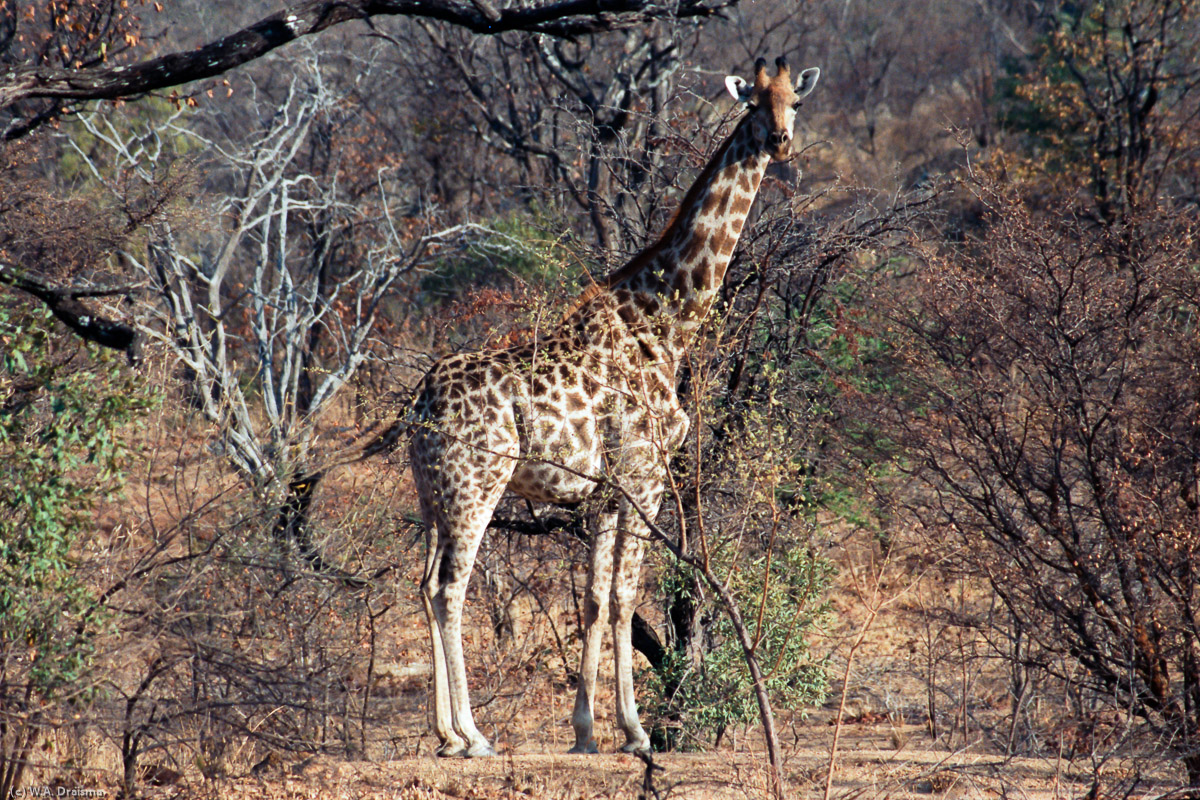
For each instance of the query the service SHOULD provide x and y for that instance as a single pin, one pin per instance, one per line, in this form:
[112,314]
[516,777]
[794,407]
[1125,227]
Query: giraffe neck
[695,250]
[670,286]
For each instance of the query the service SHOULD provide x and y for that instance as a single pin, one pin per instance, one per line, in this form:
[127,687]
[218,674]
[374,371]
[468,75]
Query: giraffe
[564,418]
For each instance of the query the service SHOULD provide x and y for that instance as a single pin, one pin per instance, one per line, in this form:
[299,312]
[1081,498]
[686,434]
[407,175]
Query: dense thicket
[1041,382]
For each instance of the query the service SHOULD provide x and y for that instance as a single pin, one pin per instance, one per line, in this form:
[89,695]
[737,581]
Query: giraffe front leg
[630,546]
[595,607]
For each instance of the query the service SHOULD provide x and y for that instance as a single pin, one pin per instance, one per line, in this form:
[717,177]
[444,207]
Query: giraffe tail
[367,444]
[292,524]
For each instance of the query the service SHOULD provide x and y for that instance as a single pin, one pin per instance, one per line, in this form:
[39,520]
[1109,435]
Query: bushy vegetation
[697,700]
[520,249]
[1049,401]
[64,454]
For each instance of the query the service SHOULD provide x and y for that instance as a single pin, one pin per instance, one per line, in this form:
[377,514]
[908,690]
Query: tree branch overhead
[564,19]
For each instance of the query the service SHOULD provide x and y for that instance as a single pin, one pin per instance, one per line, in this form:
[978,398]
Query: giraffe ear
[738,88]
[808,79]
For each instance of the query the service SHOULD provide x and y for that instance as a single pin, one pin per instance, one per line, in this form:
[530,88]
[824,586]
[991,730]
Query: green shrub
[706,699]
[518,248]
[60,412]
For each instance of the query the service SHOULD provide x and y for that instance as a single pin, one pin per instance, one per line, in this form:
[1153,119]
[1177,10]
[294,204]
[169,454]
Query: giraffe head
[773,103]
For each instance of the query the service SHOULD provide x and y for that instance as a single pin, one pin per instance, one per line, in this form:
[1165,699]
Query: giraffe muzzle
[780,144]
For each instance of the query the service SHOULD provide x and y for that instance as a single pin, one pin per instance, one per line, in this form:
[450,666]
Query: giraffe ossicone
[591,406]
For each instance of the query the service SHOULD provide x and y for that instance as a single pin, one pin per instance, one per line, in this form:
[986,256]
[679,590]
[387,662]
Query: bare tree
[266,330]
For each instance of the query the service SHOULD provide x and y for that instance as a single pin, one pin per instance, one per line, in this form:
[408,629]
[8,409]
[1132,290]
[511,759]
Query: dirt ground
[869,766]
[876,758]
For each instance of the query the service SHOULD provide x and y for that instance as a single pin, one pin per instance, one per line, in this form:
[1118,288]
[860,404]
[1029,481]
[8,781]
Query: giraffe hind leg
[455,558]
[450,743]
[464,509]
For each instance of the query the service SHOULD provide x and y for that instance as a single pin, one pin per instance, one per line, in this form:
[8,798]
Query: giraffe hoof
[451,750]
[479,750]
[585,748]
